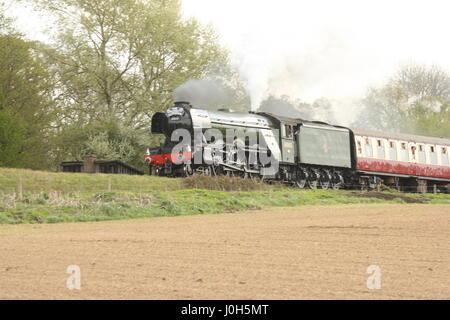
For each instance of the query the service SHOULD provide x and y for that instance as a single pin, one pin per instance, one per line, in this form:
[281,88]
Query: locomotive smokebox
[176,117]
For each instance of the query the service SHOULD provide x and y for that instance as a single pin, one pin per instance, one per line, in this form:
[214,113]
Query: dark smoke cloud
[284,106]
[204,93]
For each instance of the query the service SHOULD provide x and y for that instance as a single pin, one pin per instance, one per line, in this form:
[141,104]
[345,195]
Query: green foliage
[427,121]
[12,139]
[115,64]
[26,91]
[108,140]
[124,58]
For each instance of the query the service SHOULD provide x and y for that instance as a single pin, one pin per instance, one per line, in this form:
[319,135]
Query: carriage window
[404,152]
[413,153]
[444,156]
[393,150]
[368,148]
[360,151]
[433,155]
[380,149]
[422,158]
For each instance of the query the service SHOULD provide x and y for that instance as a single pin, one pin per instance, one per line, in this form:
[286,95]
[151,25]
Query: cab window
[288,131]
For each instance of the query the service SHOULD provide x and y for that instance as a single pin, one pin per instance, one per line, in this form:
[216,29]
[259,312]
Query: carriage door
[413,152]
[413,158]
[287,142]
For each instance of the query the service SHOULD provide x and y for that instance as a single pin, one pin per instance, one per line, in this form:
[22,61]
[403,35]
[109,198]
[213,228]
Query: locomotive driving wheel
[188,170]
[206,171]
[325,179]
[302,178]
[337,181]
[313,179]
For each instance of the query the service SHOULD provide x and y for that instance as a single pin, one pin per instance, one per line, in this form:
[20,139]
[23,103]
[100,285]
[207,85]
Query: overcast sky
[321,48]
[328,48]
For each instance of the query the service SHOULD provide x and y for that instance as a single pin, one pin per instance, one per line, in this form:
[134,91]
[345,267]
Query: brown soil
[290,253]
[389,196]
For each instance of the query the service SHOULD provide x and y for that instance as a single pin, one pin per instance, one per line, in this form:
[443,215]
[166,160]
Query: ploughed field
[308,252]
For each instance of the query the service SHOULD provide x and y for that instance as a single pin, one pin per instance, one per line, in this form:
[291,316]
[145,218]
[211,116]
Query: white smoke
[255,67]
[324,48]
[255,74]
[316,70]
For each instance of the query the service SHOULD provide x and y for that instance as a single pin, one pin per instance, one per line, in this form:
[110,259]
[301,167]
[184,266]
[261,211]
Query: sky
[313,49]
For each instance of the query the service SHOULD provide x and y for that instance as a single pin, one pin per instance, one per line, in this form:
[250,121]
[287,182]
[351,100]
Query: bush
[223,183]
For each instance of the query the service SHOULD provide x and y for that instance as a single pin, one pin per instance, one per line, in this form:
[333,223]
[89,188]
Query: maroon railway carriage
[402,159]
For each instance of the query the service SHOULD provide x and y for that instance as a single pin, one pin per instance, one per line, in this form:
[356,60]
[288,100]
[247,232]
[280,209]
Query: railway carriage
[403,161]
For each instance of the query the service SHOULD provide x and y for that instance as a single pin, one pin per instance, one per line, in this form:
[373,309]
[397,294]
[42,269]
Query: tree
[124,58]
[12,139]
[107,139]
[426,121]
[116,63]
[422,83]
[415,100]
[5,22]
[25,102]
[383,109]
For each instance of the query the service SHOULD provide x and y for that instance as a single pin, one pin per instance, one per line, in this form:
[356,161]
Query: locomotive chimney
[183,104]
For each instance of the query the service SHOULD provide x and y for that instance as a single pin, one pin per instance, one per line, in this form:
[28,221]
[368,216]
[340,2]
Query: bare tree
[414,100]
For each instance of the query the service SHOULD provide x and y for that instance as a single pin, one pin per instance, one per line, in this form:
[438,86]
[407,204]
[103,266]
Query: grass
[39,181]
[42,197]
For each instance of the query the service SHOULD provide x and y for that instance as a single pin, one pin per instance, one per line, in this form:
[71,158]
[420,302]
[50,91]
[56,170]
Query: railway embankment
[37,197]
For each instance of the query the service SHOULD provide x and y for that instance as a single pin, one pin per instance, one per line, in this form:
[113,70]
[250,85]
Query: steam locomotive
[307,154]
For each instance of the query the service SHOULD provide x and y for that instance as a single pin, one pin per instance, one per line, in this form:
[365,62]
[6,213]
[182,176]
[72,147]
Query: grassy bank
[41,197]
